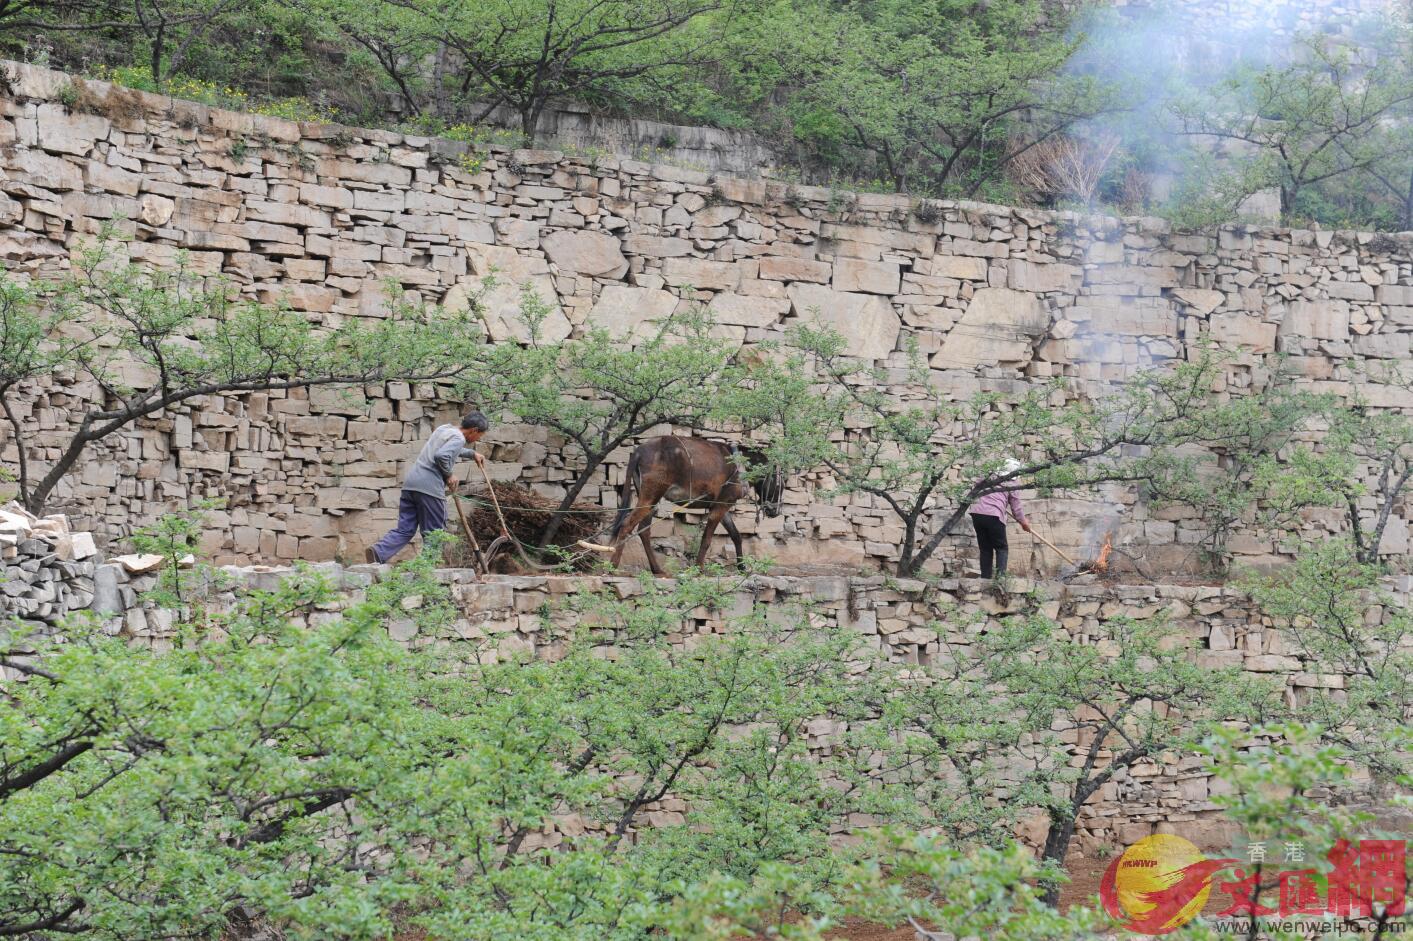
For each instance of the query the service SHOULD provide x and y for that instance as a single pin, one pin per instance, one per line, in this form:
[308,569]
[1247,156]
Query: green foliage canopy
[941,94]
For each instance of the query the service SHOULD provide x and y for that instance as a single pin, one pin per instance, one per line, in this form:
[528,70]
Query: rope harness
[691,473]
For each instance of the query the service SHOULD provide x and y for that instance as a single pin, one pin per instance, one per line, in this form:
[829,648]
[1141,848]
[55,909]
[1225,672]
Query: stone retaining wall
[46,571]
[521,616]
[320,216]
[583,128]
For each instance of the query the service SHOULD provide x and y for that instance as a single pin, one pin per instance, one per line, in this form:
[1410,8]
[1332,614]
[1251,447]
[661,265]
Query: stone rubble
[46,571]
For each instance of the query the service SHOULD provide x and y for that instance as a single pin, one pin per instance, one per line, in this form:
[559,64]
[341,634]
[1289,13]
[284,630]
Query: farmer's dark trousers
[991,538]
[415,511]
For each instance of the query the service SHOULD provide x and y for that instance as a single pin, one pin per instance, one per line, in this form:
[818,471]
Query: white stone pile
[46,571]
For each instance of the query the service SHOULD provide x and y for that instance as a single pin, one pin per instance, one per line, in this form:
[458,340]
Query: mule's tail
[625,498]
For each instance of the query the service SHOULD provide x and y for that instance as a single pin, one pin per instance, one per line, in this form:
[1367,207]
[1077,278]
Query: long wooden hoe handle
[1053,546]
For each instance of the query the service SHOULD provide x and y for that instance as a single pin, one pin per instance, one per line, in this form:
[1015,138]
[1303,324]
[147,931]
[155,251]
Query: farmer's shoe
[1001,586]
[371,556]
[1001,556]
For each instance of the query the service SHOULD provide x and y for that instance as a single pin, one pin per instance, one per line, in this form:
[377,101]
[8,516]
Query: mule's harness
[733,450]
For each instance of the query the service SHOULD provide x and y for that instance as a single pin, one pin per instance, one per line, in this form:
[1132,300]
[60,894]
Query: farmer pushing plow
[422,506]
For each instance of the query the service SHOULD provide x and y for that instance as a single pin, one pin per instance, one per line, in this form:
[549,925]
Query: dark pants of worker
[415,511]
[991,537]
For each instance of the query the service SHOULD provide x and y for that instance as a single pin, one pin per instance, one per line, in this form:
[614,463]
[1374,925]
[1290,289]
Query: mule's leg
[735,535]
[712,521]
[646,534]
[643,511]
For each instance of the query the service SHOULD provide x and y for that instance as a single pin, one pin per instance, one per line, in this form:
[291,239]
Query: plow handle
[470,536]
[486,475]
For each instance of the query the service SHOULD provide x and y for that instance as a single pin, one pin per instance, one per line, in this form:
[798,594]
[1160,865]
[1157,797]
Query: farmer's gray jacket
[432,469]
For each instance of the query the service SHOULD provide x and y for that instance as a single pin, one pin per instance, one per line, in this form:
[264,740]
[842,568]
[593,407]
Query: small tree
[173,32]
[527,53]
[928,94]
[149,341]
[960,761]
[1260,476]
[1313,119]
[1134,697]
[303,767]
[174,28]
[627,718]
[1381,440]
[149,795]
[1289,784]
[1338,614]
[399,44]
[1026,715]
[1393,172]
[183,582]
[929,458]
[1066,168]
[601,391]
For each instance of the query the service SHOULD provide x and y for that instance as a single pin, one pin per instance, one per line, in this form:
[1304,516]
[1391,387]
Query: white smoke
[1157,55]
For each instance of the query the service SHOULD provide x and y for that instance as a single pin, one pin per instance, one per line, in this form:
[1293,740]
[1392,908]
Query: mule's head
[766,480]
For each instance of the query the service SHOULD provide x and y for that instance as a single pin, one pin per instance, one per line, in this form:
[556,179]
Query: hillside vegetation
[1015,101]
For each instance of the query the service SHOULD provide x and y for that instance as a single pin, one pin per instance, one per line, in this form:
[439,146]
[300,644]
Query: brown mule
[694,472]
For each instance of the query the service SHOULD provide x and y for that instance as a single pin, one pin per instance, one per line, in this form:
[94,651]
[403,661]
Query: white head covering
[1011,466]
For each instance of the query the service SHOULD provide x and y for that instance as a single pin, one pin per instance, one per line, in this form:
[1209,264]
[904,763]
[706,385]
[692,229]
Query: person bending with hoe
[988,517]
[423,502]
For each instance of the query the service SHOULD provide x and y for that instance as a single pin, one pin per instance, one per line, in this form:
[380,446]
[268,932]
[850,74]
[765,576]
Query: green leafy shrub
[304,766]
[189,88]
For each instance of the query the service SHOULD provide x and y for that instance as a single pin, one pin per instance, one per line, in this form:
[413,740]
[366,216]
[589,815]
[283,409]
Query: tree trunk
[1356,528]
[1369,552]
[905,554]
[158,42]
[35,500]
[1408,204]
[582,481]
[530,121]
[925,553]
[20,449]
[441,68]
[1057,846]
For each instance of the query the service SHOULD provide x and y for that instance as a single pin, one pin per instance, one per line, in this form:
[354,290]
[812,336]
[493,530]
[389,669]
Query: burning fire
[1101,564]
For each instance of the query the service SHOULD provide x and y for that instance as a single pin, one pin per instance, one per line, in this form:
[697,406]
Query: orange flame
[1101,564]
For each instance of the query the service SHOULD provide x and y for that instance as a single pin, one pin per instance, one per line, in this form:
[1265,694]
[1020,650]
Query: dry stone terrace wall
[321,216]
[582,127]
[509,617]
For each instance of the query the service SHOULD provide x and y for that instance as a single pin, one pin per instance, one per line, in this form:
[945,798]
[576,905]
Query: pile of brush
[527,513]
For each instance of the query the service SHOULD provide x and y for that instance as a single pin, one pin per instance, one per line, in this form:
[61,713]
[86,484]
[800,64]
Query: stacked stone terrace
[905,621]
[320,216]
